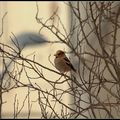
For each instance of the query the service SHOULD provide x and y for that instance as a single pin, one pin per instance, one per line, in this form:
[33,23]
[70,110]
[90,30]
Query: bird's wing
[69,63]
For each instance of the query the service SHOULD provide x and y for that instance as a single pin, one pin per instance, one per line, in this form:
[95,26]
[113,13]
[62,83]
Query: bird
[62,63]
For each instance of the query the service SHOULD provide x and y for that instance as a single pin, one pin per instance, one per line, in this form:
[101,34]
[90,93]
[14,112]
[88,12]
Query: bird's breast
[61,65]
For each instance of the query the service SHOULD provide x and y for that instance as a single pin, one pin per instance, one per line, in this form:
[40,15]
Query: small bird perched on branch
[62,63]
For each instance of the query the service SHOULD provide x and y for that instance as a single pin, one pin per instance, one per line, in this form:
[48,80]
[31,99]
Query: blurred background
[21,22]
[37,30]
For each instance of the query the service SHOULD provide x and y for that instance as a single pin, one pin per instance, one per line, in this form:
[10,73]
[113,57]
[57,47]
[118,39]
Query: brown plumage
[62,63]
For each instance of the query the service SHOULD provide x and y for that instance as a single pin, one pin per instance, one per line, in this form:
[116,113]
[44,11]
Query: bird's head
[59,54]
